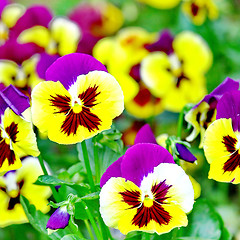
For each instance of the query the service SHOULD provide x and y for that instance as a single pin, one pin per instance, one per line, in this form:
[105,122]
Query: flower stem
[54,191]
[89,229]
[92,221]
[87,165]
[180,123]
[96,161]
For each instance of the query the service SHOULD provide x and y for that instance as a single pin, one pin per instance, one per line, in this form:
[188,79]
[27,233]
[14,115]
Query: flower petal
[67,68]
[145,135]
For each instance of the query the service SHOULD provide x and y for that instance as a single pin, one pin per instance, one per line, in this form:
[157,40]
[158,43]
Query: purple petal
[140,160]
[3,4]
[12,50]
[145,135]
[185,154]
[114,170]
[44,62]
[14,99]
[163,44]
[66,69]
[229,107]
[227,85]
[59,219]
[34,15]
[91,13]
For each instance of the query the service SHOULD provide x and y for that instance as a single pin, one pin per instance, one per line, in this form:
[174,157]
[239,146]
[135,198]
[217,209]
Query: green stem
[89,229]
[92,221]
[180,123]
[96,161]
[87,165]
[104,229]
[54,191]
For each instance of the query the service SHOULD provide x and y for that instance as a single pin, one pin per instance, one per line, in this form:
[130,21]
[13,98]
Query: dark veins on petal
[84,118]
[145,214]
[195,9]
[12,131]
[5,151]
[234,158]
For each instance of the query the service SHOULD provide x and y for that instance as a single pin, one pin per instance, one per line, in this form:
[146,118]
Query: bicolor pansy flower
[23,77]
[61,37]
[204,113]
[145,191]
[199,10]
[78,100]
[222,140]
[17,138]
[178,74]
[21,182]
[100,20]
[161,4]
[58,220]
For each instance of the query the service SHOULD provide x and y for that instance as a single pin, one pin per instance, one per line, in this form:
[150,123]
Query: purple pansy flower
[136,188]
[204,113]
[59,219]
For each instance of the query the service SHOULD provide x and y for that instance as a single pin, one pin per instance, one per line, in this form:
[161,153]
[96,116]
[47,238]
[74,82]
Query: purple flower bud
[185,154]
[59,219]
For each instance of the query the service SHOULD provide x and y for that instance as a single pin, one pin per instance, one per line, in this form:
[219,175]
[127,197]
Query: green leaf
[50,180]
[91,196]
[72,237]
[204,222]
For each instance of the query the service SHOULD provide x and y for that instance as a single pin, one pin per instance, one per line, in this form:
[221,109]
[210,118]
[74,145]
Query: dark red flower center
[83,117]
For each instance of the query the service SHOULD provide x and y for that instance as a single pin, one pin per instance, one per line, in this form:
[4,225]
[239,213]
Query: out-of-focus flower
[78,100]
[100,20]
[178,74]
[10,13]
[21,181]
[121,53]
[204,113]
[61,37]
[16,134]
[23,76]
[59,219]
[144,190]
[199,10]
[221,142]
[161,4]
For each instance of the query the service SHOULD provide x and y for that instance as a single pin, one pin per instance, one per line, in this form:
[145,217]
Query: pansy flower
[145,191]
[100,20]
[61,37]
[23,77]
[199,10]
[222,140]
[78,100]
[178,75]
[17,138]
[204,113]
[161,4]
[21,182]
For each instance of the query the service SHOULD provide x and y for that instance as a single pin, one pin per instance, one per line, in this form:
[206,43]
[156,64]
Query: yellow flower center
[77,108]
[147,202]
